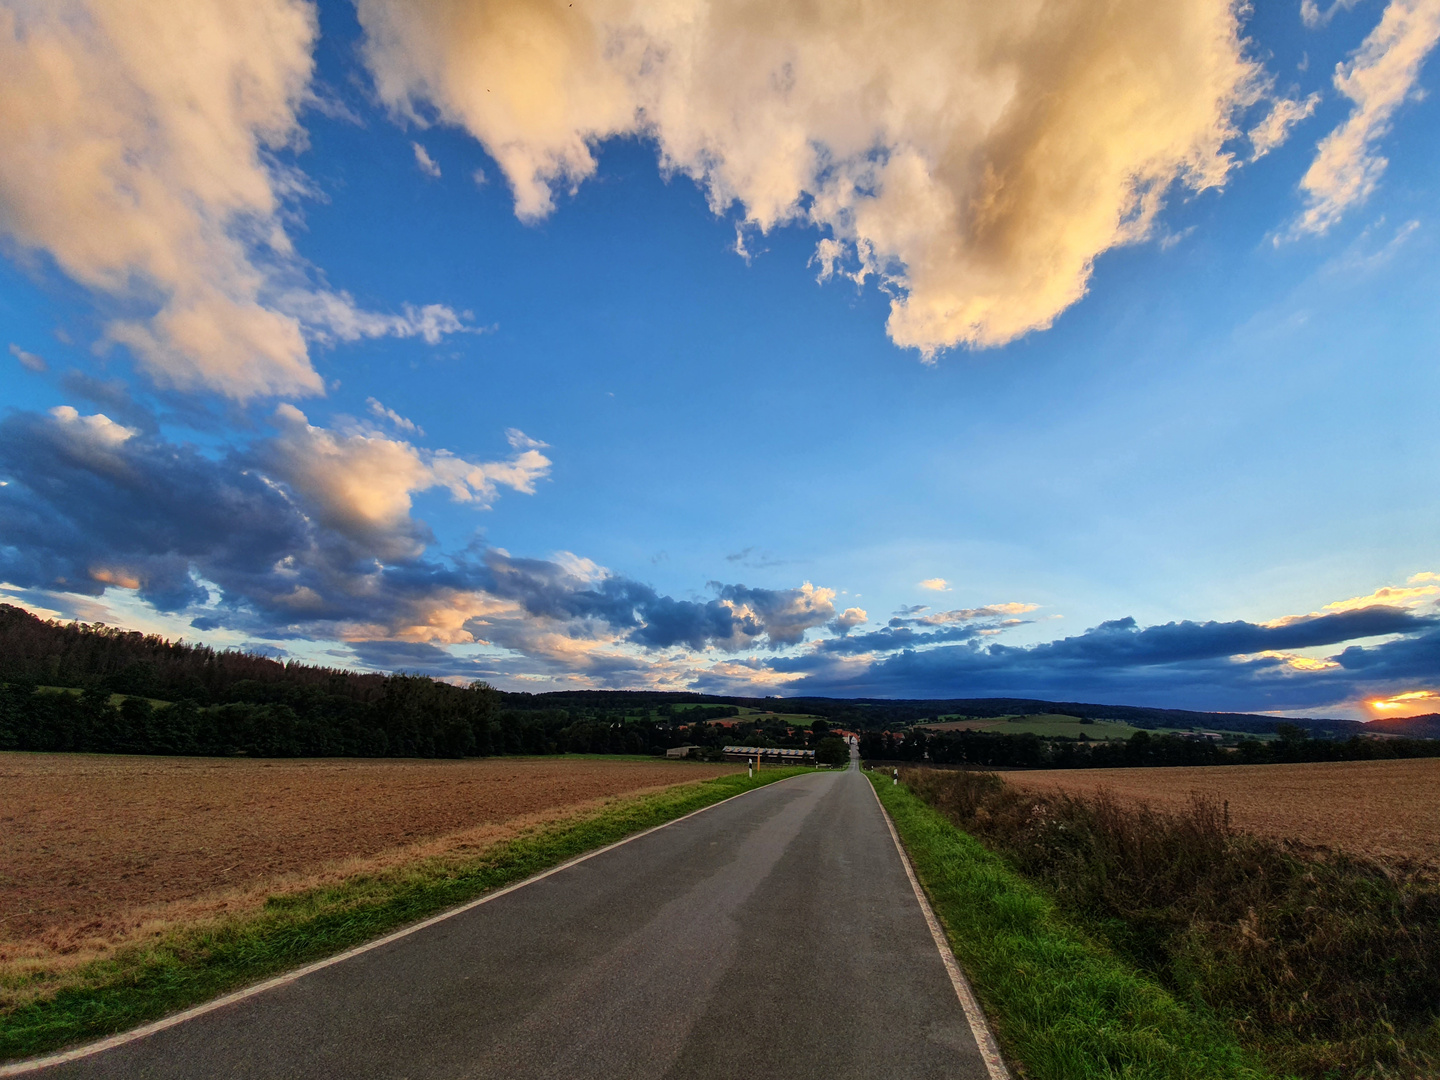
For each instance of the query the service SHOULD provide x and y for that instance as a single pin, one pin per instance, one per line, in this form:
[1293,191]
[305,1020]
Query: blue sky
[484,341]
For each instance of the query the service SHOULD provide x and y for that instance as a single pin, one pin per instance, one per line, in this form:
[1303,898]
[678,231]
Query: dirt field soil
[1382,808]
[97,849]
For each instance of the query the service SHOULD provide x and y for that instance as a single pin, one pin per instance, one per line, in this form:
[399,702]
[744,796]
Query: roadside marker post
[896,780]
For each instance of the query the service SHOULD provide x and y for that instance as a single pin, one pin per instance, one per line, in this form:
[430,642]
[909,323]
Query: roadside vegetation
[1063,1005]
[41,1012]
[1321,965]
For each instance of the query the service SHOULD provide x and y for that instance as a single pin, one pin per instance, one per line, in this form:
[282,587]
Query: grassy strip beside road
[194,964]
[1064,1008]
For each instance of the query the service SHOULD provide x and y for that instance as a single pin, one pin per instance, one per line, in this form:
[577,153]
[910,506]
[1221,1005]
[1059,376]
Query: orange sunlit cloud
[1294,661]
[1413,703]
[1419,589]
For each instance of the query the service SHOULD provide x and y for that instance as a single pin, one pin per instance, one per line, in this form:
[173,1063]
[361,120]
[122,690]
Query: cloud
[1313,17]
[1415,702]
[333,316]
[360,482]
[394,417]
[311,533]
[974,160]
[935,584]
[1420,589]
[1378,78]
[989,611]
[426,162]
[568,591]
[1274,129]
[111,395]
[308,533]
[1234,665]
[892,638]
[847,620]
[141,158]
[29,360]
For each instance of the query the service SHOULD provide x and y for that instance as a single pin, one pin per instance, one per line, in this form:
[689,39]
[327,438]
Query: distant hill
[51,653]
[1412,727]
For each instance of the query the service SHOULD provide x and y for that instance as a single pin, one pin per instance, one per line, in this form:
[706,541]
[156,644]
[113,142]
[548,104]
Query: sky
[1065,349]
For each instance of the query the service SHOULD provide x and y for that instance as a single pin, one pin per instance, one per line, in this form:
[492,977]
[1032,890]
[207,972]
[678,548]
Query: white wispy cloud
[425,161]
[29,360]
[1313,16]
[401,422]
[1274,129]
[1378,78]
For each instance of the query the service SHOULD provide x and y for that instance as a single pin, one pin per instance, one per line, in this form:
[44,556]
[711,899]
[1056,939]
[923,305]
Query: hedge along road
[773,935]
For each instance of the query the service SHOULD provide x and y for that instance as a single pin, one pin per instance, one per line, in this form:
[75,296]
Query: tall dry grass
[1328,965]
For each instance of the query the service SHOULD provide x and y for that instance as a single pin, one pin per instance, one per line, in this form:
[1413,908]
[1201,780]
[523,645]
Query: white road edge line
[35,1064]
[979,1026]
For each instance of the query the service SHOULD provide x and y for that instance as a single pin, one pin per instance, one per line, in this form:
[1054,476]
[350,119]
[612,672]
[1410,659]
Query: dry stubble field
[99,850]
[1389,809]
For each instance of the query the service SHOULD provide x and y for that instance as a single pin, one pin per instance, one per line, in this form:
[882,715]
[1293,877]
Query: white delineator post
[897,778]
[750,767]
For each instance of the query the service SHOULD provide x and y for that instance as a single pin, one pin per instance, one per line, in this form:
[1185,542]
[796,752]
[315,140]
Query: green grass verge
[194,964]
[1063,1007]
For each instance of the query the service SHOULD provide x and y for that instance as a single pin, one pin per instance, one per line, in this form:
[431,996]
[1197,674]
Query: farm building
[768,753]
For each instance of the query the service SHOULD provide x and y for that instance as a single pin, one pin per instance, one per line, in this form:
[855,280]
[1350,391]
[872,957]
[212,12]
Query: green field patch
[194,964]
[115,699]
[1046,725]
[1060,725]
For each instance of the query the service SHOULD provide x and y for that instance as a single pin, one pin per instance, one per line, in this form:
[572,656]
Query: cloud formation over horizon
[309,534]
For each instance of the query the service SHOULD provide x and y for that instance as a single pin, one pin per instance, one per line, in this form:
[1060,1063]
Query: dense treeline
[94,688]
[1027,751]
[49,653]
[409,716]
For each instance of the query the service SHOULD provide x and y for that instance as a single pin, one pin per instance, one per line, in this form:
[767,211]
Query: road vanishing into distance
[773,935]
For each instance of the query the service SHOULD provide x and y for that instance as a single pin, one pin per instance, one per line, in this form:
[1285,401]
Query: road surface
[775,935]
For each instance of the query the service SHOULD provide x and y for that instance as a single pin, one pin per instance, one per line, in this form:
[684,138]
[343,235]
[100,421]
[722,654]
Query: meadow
[1064,726]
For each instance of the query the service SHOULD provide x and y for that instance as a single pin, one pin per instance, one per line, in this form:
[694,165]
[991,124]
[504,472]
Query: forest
[1027,751]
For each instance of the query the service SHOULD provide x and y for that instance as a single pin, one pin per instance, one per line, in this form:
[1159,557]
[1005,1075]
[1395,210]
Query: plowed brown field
[1389,809]
[99,849]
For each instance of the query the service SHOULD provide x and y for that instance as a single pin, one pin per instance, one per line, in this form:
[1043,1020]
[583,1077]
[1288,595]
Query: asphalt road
[775,935]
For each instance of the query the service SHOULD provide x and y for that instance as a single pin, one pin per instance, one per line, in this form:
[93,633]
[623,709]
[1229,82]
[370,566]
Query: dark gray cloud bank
[86,507]
[1184,664]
